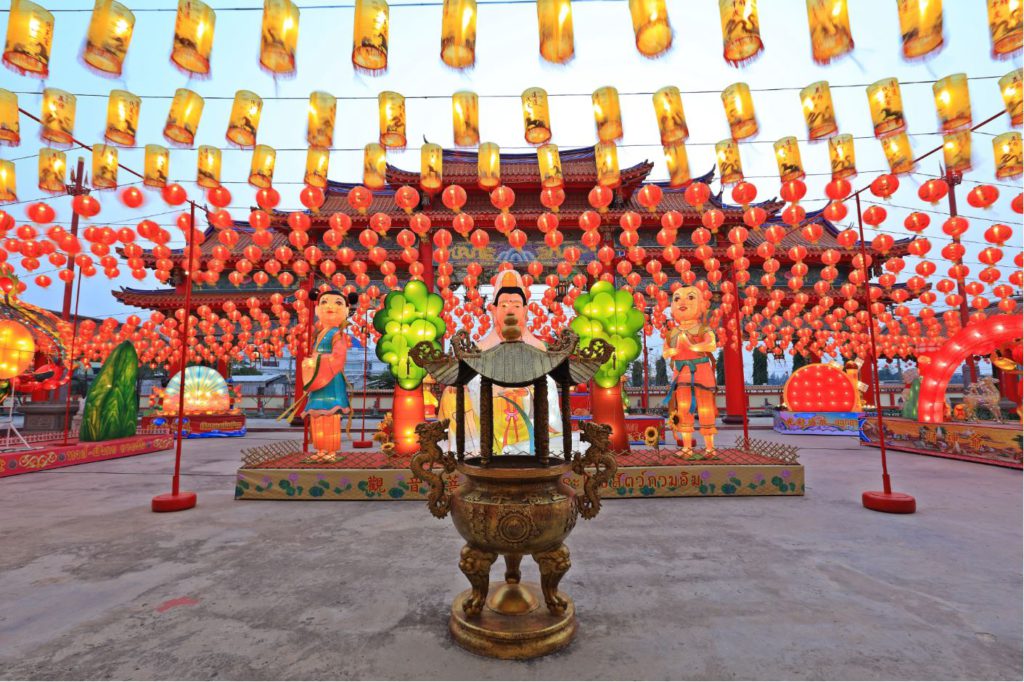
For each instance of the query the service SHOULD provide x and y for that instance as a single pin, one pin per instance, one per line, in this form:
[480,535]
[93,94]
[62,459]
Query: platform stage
[817,423]
[985,442]
[277,472]
[53,454]
[201,425]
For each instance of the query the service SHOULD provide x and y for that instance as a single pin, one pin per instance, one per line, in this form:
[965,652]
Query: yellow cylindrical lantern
[317,161]
[952,102]
[391,107]
[741,30]
[58,119]
[279,36]
[8,182]
[430,168]
[739,111]
[53,168]
[550,166]
[374,166]
[730,168]
[208,167]
[819,113]
[956,151]
[261,173]
[370,36]
[1006,25]
[606,157]
[536,116]
[104,166]
[122,117]
[651,27]
[1008,155]
[110,32]
[668,107]
[831,36]
[607,114]
[787,157]
[458,33]
[554,23]
[488,166]
[898,153]
[920,26]
[183,118]
[678,164]
[322,110]
[29,39]
[842,157]
[886,105]
[156,166]
[245,118]
[1012,89]
[466,118]
[10,119]
[193,37]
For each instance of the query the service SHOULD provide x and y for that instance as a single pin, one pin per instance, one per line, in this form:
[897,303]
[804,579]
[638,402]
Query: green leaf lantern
[408,317]
[112,405]
[607,314]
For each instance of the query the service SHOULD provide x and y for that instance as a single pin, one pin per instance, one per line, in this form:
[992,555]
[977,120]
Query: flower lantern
[458,33]
[261,172]
[606,156]
[279,36]
[317,161]
[104,166]
[730,169]
[550,166]
[787,156]
[183,118]
[320,128]
[920,26]
[898,153]
[739,111]
[17,349]
[370,36]
[1007,150]
[741,30]
[677,163]
[430,168]
[819,113]
[156,166]
[1012,90]
[607,114]
[10,121]
[886,105]
[8,182]
[488,165]
[58,119]
[193,37]
[108,37]
[391,107]
[245,118]
[842,157]
[554,23]
[374,166]
[956,151]
[651,27]
[952,102]
[668,108]
[466,118]
[122,117]
[208,167]
[829,23]
[53,168]
[536,116]
[1006,26]
[29,39]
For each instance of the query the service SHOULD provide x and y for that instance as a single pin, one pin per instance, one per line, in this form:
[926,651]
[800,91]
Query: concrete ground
[95,586]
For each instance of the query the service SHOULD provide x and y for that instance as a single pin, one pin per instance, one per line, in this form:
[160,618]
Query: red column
[735,384]
[40,396]
[868,379]
[300,351]
[427,260]
[223,367]
[1008,384]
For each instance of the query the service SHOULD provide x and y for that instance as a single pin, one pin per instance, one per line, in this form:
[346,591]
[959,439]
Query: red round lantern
[589,221]
[982,196]
[793,191]
[743,193]
[40,212]
[174,194]
[219,196]
[955,226]
[933,191]
[453,197]
[697,194]
[267,198]
[132,197]
[600,197]
[502,198]
[837,190]
[884,186]
[649,197]
[312,197]
[85,205]
[835,211]
[407,198]
[998,234]
[917,222]
[875,215]
[552,198]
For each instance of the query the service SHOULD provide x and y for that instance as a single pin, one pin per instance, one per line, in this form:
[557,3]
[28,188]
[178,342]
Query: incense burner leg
[512,574]
[476,565]
[554,563]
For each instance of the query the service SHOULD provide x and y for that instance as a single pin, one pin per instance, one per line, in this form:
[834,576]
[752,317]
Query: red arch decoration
[980,338]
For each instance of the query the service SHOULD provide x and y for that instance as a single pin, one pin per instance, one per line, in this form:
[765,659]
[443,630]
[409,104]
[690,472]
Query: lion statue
[985,394]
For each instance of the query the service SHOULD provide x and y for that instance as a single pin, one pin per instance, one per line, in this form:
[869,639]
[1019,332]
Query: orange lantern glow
[322,110]
[842,157]
[886,105]
[208,167]
[58,118]
[1012,90]
[606,156]
[465,118]
[741,30]
[370,36]
[819,113]
[279,36]
[8,182]
[956,151]
[374,166]
[739,111]
[536,116]
[550,165]
[830,29]
[920,26]
[668,108]
[317,161]
[607,114]
[458,33]
[10,121]
[53,168]
[488,166]
[430,168]
[193,37]
[245,118]
[1008,155]
[29,39]
[554,22]
[898,153]
[787,156]
[952,102]
[730,168]
[1006,26]
[261,172]
[651,27]
[108,37]
[156,166]
[104,166]
[183,118]
[122,118]
[677,163]
[391,108]
[17,349]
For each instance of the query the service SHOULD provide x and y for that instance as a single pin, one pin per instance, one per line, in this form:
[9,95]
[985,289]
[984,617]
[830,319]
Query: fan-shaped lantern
[787,156]
[898,153]
[374,166]
[1012,89]
[155,167]
[488,166]
[920,26]
[108,36]
[245,118]
[956,151]
[104,166]
[208,167]
[279,36]
[10,119]
[430,168]
[322,110]
[53,169]
[370,36]
[607,114]
[741,30]
[122,118]
[193,37]
[739,111]
[1006,25]
[668,108]
[651,27]
[678,164]
[317,161]
[466,118]
[841,156]
[730,168]
[58,119]
[458,33]
[886,105]
[205,392]
[550,165]
[261,172]
[536,116]
[606,156]
[183,118]
[952,102]
[29,39]
[391,107]
[831,36]
[819,113]
[554,23]
[1008,155]
[8,182]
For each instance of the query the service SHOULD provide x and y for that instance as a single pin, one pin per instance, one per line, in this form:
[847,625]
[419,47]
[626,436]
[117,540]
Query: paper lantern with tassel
[261,172]
[668,108]
[842,157]
[208,167]
[829,23]
[317,161]
[370,36]
[183,118]
[374,166]
[1012,90]
[898,153]
[322,110]
[1008,155]
[651,27]
[678,164]
[886,105]
[104,166]
[155,167]
[952,102]
[58,116]
[122,118]
[193,37]
[730,168]
[606,157]
[956,151]
[787,157]
[53,168]
[488,166]
[391,107]
[279,36]
[245,118]
[1006,26]
[536,116]
[465,119]
[739,111]
[607,114]
[108,37]
[550,165]
[10,119]
[554,23]
[458,33]
[8,182]
[430,168]
[920,26]
[741,30]
[29,39]
[819,113]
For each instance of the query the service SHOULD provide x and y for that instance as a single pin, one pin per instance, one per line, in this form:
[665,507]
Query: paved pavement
[95,586]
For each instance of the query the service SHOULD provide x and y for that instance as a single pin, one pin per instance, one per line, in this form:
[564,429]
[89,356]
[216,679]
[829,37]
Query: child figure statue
[689,348]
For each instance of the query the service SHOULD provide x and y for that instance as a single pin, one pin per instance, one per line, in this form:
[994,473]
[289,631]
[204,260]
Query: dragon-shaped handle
[429,435]
[600,457]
